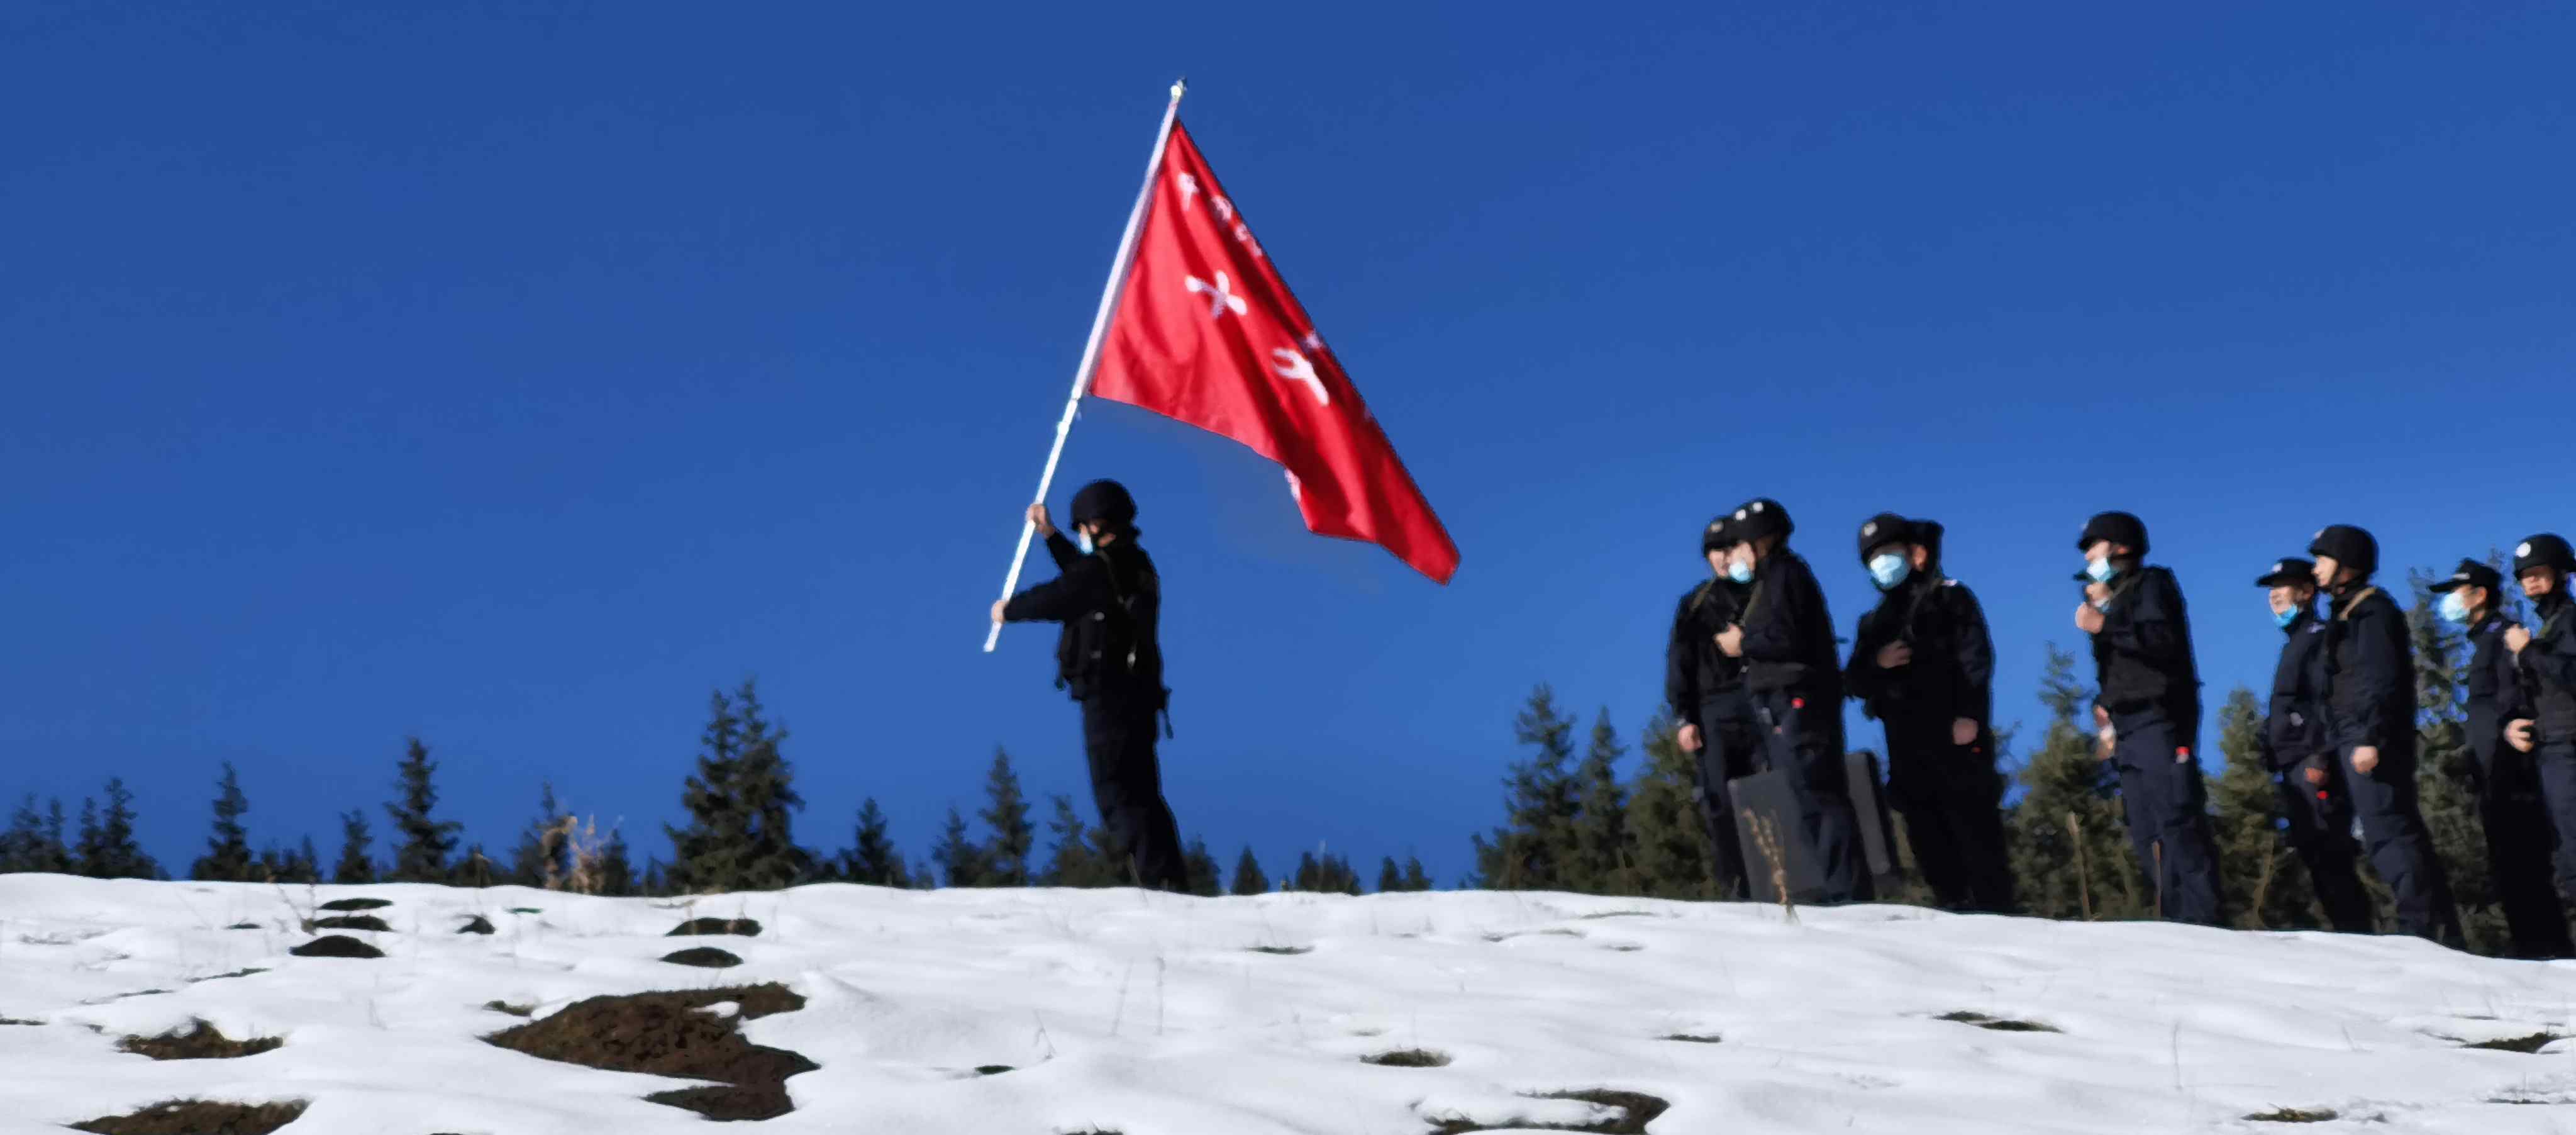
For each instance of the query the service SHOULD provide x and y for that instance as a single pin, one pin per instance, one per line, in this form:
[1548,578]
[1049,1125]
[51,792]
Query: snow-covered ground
[1156,1015]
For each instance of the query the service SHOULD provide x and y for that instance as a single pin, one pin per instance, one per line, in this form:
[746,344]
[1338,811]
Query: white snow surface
[1155,1015]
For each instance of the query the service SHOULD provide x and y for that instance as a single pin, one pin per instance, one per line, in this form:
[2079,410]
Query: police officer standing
[2546,659]
[1922,663]
[1705,688]
[1786,638]
[2148,712]
[2299,748]
[1110,658]
[2370,698]
[2520,840]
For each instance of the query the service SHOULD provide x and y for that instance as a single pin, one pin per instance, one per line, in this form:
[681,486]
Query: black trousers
[1952,799]
[2399,846]
[2319,819]
[1730,746]
[1138,833]
[1804,738]
[2521,842]
[2555,761]
[2167,803]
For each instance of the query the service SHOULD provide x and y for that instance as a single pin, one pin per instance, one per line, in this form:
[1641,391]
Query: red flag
[1206,332]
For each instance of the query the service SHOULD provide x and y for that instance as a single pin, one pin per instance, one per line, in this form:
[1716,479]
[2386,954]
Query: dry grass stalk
[2083,867]
[550,846]
[1766,837]
[589,852]
[2263,882]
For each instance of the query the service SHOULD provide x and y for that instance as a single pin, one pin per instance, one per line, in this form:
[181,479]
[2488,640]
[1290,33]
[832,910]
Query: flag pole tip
[1179,86]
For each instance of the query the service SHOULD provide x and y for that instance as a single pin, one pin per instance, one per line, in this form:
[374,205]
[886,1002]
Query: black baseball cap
[2471,573]
[2287,572]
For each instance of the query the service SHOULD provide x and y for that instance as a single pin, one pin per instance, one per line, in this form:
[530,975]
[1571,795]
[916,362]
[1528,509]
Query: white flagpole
[1091,349]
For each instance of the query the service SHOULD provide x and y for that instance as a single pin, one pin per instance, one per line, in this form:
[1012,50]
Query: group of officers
[1753,675]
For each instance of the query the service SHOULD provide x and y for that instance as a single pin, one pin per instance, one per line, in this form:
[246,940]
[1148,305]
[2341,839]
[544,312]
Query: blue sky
[514,379]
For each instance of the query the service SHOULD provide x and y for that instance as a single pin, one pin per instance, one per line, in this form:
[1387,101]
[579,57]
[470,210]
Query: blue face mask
[2100,571]
[2285,618]
[2454,608]
[1082,540]
[1740,572]
[1889,569]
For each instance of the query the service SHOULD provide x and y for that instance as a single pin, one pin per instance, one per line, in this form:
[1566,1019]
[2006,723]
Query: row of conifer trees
[1592,821]
[740,801]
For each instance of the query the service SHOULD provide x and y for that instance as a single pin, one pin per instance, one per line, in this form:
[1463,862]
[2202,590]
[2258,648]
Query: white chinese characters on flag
[1207,333]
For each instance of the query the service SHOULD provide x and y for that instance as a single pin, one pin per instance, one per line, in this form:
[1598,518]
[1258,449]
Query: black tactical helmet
[2544,550]
[1715,536]
[1106,502]
[2288,573]
[2351,547]
[1881,530]
[2116,527]
[2471,573]
[1759,517]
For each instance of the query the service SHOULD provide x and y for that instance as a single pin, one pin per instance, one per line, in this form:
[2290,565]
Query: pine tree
[228,856]
[708,853]
[875,860]
[356,865]
[476,869]
[1007,815]
[766,787]
[1536,848]
[1326,874]
[287,867]
[23,848]
[55,845]
[1415,878]
[924,876]
[109,847]
[1668,844]
[2260,877]
[543,857]
[1248,879]
[1207,878]
[2451,814]
[1339,876]
[2054,873]
[427,841]
[1603,861]
[615,875]
[302,865]
[1309,876]
[1076,859]
[960,858]
[88,851]
[657,879]
[1389,879]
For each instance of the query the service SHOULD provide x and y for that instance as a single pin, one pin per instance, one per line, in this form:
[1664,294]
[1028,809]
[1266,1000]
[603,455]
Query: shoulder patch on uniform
[1949,583]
